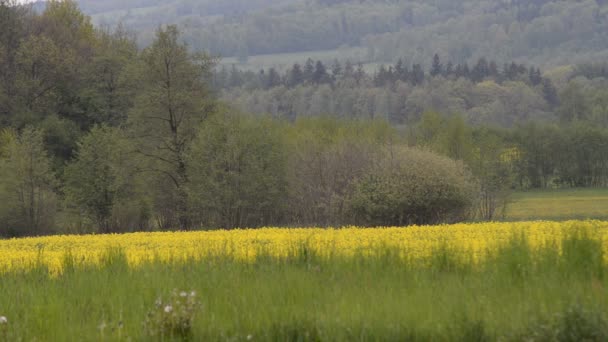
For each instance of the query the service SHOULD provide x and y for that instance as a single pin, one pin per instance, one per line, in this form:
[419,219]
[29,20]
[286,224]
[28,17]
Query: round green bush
[413,186]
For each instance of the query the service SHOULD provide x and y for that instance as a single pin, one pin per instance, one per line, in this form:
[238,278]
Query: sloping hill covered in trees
[541,32]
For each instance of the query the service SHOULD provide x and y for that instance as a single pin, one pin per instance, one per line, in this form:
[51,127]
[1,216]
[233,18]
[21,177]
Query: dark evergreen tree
[480,71]
[550,92]
[380,78]
[296,76]
[535,76]
[273,79]
[458,71]
[417,77]
[466,72]
[399,70]
[336,70]
[449,69]
[309,70]
[320,74]
[437,67]
[235,77]
[360,73]
[349,69]
[493,70]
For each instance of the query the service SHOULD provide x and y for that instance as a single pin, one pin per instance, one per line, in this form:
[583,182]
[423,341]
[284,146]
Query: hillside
[540,32]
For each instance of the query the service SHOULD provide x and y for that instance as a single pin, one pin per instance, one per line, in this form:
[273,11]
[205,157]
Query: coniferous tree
[273,79]
[458,71]
[320,75]
[417,74]
[400,70]
[349,69]
[493,70]
[449,69]
[466,71]
[359,73]
[381,77]
[550,93]
[437,67]
[480,71]
[535,76]
[296,76]
[309,70]
[336,70]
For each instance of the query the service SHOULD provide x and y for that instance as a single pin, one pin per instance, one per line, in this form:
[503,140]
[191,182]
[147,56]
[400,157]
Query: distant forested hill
[541,32]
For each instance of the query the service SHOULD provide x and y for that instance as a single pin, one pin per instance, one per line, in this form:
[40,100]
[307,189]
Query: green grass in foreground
[566,204]
[513,296]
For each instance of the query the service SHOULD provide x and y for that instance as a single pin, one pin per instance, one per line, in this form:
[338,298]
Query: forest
[100,135]
[540,32]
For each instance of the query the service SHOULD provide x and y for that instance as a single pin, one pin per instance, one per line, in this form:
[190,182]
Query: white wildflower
[249,337]
[193,294]
[3,320]
[183,294]
[168,308]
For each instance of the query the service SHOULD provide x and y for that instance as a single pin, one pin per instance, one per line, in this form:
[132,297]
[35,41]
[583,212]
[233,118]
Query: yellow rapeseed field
[473,241]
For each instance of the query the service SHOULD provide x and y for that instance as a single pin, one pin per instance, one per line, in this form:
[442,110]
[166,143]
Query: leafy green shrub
[27,185]
[102,185]
[413,187]
[237,172]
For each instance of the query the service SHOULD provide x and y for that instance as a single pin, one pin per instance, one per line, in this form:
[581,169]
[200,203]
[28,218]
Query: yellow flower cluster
[471,240]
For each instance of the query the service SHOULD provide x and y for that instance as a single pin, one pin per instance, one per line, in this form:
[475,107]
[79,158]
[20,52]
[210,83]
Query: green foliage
[27,186]
[396,96]
[109,87]
[160,162]
[171,104]
[237,171]
[449,136]
[491,164]
[414,187]
[571,155]
[103,185]
[327,155]
[52,73]
[573,106]
[7,138]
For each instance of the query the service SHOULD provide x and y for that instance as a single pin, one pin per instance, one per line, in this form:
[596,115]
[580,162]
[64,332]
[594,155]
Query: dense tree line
[542,32]
[484,93]
[535,154]
[316,73]
[97,135]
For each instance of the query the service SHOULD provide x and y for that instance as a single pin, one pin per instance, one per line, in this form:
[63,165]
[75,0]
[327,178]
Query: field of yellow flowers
[471,241]
[525,281]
